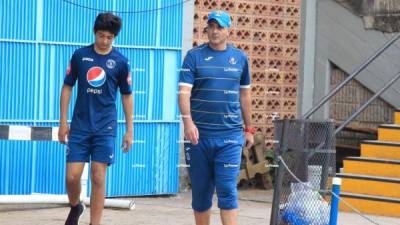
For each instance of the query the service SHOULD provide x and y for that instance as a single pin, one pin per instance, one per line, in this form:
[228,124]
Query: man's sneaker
[74,214]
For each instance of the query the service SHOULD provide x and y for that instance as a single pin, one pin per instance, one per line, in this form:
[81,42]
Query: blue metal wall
[34,54]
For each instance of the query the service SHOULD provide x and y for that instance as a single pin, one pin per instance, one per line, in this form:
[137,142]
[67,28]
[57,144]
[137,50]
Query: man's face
[216,34]
[104,39]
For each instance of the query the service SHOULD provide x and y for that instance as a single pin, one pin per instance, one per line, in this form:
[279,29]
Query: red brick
[244,8]
[229,6]
[275,51]
[258,77]
[292,11]
[209,5]
[276,10]
[272,105]
[260,36]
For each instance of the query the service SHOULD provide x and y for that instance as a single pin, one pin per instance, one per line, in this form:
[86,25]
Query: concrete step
[372,167]
[389,132]
[396,118]
[370,185]
[371,204]
[380,149]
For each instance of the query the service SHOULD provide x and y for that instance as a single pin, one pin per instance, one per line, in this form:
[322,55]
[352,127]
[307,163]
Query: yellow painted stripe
[372,207]
[370,187]
[371,168]
[380,151]
[397,118]
[387,134]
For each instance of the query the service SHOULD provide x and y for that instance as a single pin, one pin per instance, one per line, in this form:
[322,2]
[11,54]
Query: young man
[100,70]
[214,101]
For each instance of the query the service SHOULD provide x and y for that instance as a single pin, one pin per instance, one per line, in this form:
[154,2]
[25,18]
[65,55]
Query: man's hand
[249,139]
[63,133]
[191,132]
[127,141]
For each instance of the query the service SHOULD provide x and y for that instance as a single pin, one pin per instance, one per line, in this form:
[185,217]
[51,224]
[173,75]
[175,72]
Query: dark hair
[108,22]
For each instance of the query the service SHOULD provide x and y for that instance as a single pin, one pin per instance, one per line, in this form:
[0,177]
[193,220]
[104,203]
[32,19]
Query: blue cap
[222,18]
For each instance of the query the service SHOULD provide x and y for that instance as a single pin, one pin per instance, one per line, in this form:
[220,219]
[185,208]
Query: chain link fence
[305,150]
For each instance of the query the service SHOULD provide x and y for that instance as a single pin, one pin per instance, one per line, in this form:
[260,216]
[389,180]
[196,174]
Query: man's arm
[63,130]
[245,105]
[191,132]
[127,103]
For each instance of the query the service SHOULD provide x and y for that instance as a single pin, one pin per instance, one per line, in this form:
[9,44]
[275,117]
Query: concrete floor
[255,209]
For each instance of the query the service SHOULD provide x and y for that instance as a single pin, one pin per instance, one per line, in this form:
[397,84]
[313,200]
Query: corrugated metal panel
[53,63]
[31,77]
[140,67]
[18,19]
[179,66]
[34,54]
[49,165]
[17,80]
[170,82]
[171,17]
[64,22]
[155,75]
[49,168]
[151,167]
[16,167]
[158,85]
[138,28]
[32,167]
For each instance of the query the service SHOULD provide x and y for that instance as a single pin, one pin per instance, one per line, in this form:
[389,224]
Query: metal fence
[305,151]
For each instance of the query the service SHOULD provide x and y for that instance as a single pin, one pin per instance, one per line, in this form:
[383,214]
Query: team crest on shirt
[232,61]
[110,64]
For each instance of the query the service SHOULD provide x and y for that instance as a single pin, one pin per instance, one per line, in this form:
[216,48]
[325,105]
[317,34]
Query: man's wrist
[187,119]
[250,130]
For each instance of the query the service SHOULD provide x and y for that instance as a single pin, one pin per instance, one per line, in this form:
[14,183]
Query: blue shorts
[83,147]
[214,164]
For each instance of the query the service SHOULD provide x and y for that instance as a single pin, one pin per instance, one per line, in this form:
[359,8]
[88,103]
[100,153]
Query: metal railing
[365,105]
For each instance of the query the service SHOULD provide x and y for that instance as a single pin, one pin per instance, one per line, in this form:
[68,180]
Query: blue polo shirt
[99,77]
[216,78]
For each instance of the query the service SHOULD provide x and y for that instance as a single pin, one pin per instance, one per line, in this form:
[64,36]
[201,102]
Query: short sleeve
[125,81]
[72,71]
[186,76]
[245,80]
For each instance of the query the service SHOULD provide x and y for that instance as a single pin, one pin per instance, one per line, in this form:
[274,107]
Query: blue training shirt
[216,78]
[99,77]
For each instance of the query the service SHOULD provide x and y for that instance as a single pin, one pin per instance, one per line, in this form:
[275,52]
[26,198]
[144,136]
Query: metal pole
[330,146]
[279,174]
[335,201]
[365,105]
[277,194]
[302,166]
[355,73]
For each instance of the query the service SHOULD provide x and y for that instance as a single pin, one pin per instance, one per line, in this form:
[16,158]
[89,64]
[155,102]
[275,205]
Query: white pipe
[61,199]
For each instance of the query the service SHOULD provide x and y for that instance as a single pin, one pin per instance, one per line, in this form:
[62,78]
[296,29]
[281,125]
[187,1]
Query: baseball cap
[222,18]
